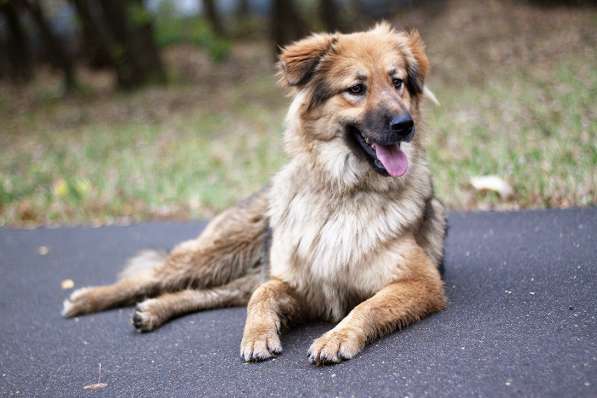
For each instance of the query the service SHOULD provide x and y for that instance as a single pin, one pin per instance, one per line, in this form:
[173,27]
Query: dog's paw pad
[333,347]
[256,348]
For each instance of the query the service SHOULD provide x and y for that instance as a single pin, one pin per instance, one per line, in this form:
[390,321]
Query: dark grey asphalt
[521,322]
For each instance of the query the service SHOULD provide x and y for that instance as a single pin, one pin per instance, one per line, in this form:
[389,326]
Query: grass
[189,165]
[537,132]
[213,136]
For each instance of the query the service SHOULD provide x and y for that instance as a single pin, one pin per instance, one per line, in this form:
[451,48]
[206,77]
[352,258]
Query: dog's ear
[299,60]
[418,66]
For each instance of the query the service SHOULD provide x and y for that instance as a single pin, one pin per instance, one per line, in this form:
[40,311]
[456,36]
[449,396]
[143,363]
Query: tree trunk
[57,53]
[115,17]
[329,15]
[210,11]
[19,60]
[96,40]
[147,47]
[134,53]
[242,10]
[287,25]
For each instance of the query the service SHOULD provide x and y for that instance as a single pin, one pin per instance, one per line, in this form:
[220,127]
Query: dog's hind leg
[229,248]
[153,312]
[231,245]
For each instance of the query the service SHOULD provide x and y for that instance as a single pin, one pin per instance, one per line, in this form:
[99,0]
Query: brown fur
[226,259]
[348,244]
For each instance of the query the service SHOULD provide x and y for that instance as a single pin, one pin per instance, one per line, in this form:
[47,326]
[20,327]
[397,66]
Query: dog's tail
[427,93]
[143,263]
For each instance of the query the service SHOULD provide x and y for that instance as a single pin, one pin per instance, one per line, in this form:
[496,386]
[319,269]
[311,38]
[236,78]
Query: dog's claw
[261,347]
[333,348]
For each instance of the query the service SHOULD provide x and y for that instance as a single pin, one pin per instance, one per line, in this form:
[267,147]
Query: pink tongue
[392,158]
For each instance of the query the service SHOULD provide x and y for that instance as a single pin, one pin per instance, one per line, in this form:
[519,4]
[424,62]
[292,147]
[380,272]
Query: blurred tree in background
[54,49]
[139,109]
[287,23]
[329,14]
[213,17]
[125,36]
[133,51]
[15,44]
[120,35]
[95,37]
[112,33]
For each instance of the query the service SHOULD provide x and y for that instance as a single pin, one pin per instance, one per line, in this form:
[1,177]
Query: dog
[349,231]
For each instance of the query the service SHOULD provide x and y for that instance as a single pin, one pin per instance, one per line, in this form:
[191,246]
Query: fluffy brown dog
[348,230]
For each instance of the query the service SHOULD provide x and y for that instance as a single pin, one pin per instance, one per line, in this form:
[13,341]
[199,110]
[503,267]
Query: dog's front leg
[270,306]
[415,295]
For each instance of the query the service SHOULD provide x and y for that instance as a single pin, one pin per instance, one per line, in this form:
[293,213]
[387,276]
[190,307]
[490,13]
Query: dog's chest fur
[338,250]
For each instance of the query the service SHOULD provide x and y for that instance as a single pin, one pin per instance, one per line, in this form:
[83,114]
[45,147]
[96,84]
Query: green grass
[191,166]
[538,134]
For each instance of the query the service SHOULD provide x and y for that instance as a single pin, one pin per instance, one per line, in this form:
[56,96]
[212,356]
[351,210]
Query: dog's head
[357,98]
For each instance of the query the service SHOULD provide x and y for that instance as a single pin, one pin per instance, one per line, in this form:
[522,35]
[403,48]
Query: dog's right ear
[299,60]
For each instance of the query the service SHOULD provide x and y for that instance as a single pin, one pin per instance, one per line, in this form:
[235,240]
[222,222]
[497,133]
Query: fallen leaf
[95,387]
[26,211]
[83,186]
[492,183]
[43,250]
[67,284]
[60,188]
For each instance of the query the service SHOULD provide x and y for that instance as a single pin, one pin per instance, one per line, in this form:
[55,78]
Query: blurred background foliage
[128,110]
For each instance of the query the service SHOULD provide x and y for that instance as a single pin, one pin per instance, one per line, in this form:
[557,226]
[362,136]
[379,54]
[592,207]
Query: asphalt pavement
[521,321]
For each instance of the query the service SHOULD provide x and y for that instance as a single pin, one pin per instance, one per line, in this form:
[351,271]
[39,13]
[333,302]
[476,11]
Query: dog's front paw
[147,316]
[334,347]
[260,345]
[78,303]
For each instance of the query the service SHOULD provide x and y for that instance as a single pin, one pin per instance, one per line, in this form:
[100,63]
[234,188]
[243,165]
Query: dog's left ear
[299,60]
[418,65]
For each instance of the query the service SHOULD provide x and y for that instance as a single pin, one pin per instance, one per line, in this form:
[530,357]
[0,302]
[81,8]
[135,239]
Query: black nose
[403,126]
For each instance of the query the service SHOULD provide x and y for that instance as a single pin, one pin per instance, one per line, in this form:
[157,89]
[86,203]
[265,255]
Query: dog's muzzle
[379,137]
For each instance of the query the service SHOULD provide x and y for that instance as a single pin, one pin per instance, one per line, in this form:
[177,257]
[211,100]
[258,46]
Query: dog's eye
[397,83]
[357,89]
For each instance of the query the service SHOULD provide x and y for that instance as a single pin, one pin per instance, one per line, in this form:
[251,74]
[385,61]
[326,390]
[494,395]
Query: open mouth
[386,159]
